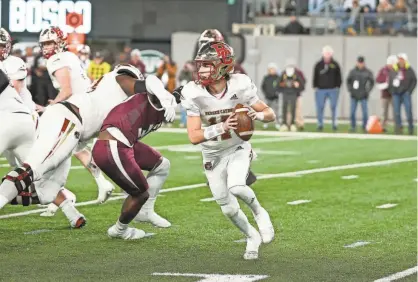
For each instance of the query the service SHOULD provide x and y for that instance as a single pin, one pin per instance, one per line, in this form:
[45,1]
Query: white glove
[170,114]
[169,104]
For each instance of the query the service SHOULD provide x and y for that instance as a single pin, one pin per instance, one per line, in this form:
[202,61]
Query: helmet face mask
[214,61]
[5,44]
[51,41]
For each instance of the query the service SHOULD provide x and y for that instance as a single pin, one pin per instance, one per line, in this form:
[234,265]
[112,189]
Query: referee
[98,67]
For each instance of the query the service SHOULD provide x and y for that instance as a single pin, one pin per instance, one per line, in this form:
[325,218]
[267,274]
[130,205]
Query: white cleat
[253,243]
[51,210]
[105,189]
[153,218]
[127,234]
[293,128]
[265,226]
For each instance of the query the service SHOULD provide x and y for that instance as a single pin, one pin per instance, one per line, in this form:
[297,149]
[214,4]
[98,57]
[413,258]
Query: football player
[211,99]
[210,35]
[63,126]
[68,75]
[121,156]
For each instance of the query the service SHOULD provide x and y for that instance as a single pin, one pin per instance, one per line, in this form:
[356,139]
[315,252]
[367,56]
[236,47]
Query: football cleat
[79,222]
[153,218]
[253,243]
[265,226]
[105,188]
[127,234]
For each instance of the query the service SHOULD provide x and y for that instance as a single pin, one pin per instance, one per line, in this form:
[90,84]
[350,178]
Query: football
[245,127]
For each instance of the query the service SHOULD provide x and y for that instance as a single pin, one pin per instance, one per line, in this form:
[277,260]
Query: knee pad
[244,193]
[230,209]
[163,169]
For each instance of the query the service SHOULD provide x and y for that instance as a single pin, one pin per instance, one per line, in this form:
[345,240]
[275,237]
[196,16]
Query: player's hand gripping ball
[245,126]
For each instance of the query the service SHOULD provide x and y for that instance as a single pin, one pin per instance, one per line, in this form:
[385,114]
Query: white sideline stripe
[211,199]
[311,134]
[398,275]
[268,176]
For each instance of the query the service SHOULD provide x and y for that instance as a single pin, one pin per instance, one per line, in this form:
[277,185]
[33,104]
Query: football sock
[68,208]
[121,226]
[241,221]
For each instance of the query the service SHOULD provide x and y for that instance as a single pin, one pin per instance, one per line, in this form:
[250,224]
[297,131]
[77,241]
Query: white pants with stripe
[228,171]
[59,131]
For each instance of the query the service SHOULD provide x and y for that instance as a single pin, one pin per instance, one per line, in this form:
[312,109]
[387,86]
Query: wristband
[213,131]
[259,115]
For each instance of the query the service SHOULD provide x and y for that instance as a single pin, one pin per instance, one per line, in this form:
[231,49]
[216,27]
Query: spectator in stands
[327,82]
[360,82]
[291,85]
[400,12]
[170,67]
[294,27]
[270,88]
[348,25]
[402,82]
[123,58]
[98,67]
[83,53]
[382,80]
[185,76]
[136,60]
[384,9]
[127,49]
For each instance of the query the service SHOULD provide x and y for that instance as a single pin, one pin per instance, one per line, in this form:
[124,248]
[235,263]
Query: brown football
[245,127]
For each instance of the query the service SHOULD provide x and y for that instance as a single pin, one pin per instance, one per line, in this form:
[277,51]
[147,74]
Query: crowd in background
[396,80]
[349,16]
[282,90]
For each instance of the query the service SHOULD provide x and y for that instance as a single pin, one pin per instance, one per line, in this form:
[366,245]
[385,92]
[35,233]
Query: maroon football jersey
[135,118]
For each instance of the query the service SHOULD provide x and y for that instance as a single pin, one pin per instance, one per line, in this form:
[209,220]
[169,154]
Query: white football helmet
[6,41]
[129,69]
[16,68]
[52,34]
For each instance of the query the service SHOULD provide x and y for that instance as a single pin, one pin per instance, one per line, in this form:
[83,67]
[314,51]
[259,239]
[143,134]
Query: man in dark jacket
[327,82]
[294,27]
[382,81]
[402,82]
[360,82]
[270,87]
[292,83]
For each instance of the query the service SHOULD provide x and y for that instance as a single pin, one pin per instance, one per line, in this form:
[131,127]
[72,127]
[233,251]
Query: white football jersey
[94,106]
[79,80]
[17,70]
[215,109]
[10,101]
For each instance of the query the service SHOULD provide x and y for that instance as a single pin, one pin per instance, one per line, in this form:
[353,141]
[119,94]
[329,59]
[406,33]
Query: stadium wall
[306,50]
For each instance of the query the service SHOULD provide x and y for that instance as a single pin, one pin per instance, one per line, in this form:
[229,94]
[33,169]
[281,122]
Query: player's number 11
[218,119]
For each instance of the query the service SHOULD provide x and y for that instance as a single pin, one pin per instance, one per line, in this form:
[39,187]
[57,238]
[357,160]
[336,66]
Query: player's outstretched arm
[262,112]
[63,77]
[198,135]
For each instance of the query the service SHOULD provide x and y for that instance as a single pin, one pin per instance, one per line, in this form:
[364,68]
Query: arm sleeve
[339,77]
[413,82]
[371,79]
[315,77]
[349,82]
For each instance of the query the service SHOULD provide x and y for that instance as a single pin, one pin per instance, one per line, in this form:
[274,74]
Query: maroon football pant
[124,164]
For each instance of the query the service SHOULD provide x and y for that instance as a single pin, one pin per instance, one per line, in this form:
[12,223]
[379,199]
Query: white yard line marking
[216,277]
[386,206]
[398,275]
[268,176]
[357,244]
[207,199]
[311,134]
[298,202]
[243,240]
[348,177]
[37,231]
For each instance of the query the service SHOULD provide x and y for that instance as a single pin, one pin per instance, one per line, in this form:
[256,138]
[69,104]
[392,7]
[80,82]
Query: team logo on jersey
[208,166]
[234,97]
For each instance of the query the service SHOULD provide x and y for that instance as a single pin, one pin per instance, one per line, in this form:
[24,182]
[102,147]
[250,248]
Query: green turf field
[312,238]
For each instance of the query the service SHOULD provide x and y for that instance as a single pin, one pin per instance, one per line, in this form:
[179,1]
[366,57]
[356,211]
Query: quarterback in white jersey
[68,75]
[211,99]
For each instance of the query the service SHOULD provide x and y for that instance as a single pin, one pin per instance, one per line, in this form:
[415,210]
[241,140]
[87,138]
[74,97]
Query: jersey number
[218,119]
[94,85]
